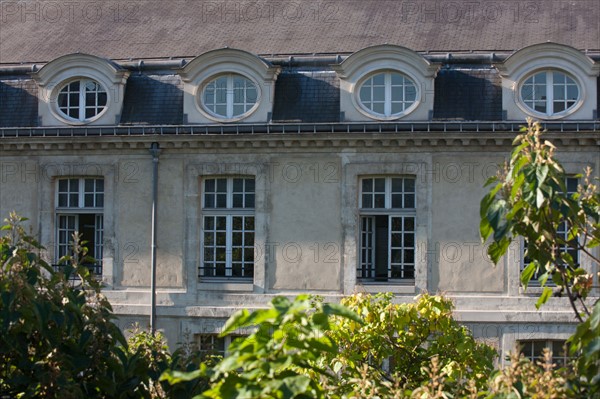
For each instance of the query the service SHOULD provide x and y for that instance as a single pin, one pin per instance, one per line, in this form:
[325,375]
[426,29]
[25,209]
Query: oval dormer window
[230,96]
[550,93]
[82,100]
[387,94]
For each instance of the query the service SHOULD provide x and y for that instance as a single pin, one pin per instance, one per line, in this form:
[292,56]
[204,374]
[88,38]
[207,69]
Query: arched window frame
[529,61]
[203,69]
[58,73]
[360,66]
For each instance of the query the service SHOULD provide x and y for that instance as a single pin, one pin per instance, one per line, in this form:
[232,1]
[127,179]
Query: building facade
[291,162]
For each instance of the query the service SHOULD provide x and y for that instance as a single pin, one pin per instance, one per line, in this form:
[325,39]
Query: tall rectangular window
[228,227]
[387,229]
[80,207]
[562,231]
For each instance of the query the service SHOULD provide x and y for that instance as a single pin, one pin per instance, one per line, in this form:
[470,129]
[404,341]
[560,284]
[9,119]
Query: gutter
[291,61]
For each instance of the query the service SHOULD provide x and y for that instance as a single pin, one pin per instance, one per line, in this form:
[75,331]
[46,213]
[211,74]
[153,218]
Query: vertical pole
[155,151]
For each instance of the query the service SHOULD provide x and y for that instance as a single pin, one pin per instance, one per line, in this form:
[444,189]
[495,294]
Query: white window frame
[549,94]
[368,214]
[388,101]
[74,213]
[229,212]
[83,106]
[230,96]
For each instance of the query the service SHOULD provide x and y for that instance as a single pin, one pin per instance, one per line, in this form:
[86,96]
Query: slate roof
[39,31]
[468,93]
[153,100]
[307,96]
[18,102]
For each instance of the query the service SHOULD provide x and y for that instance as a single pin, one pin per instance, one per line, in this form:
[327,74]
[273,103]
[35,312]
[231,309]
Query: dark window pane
[409,185]
[367,201]
[409,224]
[221,200]
[238,200]
[209,185]
[89,200]
[249,200]
[238,185]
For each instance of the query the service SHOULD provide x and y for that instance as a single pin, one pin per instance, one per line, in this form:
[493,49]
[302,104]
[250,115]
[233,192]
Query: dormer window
[80,89]
[386,83]
[229,96]
[82,100]
[387,94]
[550,93]
[549,81]
[228,85]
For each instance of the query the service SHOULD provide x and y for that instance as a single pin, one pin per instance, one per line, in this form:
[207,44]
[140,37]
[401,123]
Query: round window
[229,96]
[387,94]
[550,93]
[82,99]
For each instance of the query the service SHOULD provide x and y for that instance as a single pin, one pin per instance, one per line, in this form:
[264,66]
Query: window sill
[534,289]
[225,285]
[400,287]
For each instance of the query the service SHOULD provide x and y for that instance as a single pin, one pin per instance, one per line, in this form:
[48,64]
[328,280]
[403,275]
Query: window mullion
[389,247]
[228,245]
[229,96]
[388,94]
[388,192]
[82,85]
[550,92]
[80,194]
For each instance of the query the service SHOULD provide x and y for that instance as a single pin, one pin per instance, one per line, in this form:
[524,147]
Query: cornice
[317,142]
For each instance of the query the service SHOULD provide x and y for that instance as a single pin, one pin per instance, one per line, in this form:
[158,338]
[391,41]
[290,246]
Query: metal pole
[155,151]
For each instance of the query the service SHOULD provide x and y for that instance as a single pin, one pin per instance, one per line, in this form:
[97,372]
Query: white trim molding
[526,62]
[358,67]
[53,76]
[206,67]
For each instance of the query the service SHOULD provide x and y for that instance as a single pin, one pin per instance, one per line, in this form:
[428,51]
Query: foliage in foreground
[529,199]
[57,340]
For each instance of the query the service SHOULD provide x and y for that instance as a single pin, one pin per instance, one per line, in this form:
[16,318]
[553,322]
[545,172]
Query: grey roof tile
[39,30]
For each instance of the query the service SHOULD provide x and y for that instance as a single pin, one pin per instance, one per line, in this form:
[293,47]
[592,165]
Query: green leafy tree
[309,349]
[58,340]
[529,199]
[396,344]
[279,357]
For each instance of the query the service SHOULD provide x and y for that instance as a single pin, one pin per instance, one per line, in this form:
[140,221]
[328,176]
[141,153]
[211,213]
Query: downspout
[154,151]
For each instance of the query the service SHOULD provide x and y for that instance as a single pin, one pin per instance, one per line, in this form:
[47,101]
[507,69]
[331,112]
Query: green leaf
[546,294]
[335,309]
[497,249]
[541,173]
